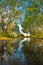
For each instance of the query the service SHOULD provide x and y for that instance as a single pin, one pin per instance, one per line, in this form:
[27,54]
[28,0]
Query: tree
[9,14]
[28,12]
[33,18]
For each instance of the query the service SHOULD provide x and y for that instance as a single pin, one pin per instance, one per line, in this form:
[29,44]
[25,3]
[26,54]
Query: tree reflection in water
[21,52]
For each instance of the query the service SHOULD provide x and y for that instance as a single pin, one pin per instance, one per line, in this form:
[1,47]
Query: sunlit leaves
[29,13]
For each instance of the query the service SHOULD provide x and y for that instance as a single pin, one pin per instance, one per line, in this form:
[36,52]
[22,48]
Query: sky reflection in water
[22,52]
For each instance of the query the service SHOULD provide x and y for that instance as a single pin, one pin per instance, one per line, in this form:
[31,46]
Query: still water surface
[22,51]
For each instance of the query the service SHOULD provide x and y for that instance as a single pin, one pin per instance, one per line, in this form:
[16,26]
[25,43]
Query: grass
[9,36]
[8,39]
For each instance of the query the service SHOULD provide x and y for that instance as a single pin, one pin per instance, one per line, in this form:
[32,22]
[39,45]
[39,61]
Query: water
[22,51]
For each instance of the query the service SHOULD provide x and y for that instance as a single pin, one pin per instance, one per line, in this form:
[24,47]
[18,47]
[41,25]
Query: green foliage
[28,12]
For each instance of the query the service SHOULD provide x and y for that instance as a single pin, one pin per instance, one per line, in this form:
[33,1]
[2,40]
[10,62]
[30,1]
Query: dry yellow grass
[7,39]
